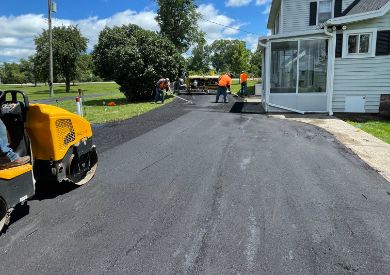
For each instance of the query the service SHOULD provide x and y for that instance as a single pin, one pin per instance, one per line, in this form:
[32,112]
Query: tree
[85,68]
[11,74]
[27,68]
[68,45]
[135,58]
[229,55]
[256,62]
[200,59]
[178,20]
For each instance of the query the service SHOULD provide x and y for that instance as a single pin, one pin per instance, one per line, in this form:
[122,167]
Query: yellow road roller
[58,142]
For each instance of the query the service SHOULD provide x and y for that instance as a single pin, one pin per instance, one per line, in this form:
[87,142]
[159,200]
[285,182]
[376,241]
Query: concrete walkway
[370,149]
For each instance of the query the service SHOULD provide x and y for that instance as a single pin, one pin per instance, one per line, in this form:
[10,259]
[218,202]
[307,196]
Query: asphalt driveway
[195,189]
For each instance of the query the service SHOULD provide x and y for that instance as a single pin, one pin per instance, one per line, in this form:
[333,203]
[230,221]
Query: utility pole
[51,92]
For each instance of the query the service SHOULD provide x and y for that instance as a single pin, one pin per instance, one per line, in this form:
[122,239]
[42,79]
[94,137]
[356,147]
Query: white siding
[296,15]
[369,77]
[381,23]
[347,3]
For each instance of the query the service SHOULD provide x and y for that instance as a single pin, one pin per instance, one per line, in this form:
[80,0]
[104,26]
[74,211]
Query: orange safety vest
[243,77]
[224,81]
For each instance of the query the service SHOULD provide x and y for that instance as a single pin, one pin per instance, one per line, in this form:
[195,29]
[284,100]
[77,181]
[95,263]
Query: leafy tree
[68,45]
[229,55]
[200,59]
[135,58]
[256,62]
[11,74]
[178,20]
[27,68]
[85,69]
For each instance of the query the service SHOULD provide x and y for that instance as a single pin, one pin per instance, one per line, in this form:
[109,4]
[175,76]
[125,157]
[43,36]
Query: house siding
[369,77]
[296,15]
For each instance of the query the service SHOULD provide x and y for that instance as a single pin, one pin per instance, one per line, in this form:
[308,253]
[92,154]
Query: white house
[326,56]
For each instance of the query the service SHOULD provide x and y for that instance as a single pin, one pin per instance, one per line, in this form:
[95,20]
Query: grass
[96,109]
[372,124]
[41,92]
[235,87]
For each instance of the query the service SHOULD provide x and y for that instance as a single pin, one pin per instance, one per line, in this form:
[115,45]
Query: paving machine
[59,143]
[201,84]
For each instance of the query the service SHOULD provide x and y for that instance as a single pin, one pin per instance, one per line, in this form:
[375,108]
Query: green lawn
[42,92]
[373,124]
[236,86]
[97,111]
[378,128]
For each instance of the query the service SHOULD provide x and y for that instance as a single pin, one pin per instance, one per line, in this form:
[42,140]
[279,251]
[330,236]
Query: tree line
[134,57]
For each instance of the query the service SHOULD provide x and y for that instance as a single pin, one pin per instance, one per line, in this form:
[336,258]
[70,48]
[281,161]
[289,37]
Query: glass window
[364,45]
[324,11]
[359,43]
[352,43]
[313,65]
[284,57]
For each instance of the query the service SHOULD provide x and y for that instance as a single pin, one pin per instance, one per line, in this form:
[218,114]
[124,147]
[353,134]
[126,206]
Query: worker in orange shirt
[244,83]
[224,83]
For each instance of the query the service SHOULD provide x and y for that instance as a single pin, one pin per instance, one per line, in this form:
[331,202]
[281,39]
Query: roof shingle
[366,6]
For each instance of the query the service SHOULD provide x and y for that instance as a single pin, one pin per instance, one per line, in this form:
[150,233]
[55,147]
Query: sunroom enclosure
[297,75]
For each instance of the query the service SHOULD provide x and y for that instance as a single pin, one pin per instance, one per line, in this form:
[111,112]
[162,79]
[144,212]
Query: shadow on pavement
[51,190]
[247,108]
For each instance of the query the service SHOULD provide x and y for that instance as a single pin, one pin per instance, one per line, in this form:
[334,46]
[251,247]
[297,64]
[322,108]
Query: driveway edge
[370,149]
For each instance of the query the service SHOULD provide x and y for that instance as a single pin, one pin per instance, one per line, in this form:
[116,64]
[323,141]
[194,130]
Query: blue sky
[21,20]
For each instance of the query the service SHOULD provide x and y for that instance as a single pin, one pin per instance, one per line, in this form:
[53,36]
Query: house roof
[363,6]
[361,10]
[273,12]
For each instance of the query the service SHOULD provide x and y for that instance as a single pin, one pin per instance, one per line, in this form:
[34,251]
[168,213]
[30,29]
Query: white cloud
[214,23]
[262,2]
[237,3]
[17,32]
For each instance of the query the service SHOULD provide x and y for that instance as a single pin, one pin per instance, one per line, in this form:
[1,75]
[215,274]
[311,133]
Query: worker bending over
[224,83]
[161,85]
[244,83]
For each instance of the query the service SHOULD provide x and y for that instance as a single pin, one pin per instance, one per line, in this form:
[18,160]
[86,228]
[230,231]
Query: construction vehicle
[59,143]
[197,84]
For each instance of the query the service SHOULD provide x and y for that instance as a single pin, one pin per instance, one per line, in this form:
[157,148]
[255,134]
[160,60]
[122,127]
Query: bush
[135,58]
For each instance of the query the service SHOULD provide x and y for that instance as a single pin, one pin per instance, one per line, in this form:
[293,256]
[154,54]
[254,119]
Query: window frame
[371,47]
[318,10]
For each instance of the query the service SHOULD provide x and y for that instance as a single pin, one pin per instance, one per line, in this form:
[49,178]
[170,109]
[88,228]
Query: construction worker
[244,83]
[224,83]
[9,157]
[161,85]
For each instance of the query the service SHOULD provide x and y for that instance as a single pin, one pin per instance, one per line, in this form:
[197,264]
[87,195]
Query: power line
[228,27]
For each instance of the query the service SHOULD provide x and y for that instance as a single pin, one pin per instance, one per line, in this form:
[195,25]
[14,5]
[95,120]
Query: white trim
[268,74]
[286,108]
[281,17]
[331,64]
[294,34]
[372,45]
[360,16]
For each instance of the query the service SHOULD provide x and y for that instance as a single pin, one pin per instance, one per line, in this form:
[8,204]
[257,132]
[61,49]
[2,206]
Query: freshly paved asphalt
[196,189]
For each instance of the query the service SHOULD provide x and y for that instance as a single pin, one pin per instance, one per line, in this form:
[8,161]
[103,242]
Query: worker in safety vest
[224,83]
[161,85]
[244,83]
